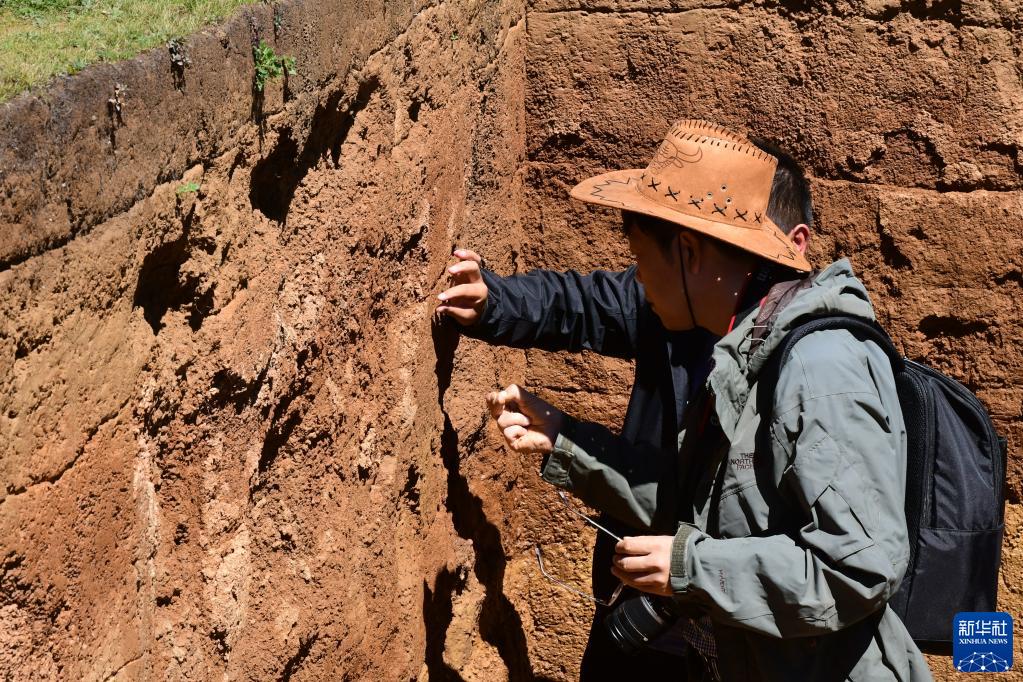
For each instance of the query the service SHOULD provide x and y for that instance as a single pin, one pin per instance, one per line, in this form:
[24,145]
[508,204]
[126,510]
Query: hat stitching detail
[598,190]
[672,194]
[699,123]
[749,150]
[744,146]
[720,209]
[707,126]
[789,254]
[664,156]
[698,203]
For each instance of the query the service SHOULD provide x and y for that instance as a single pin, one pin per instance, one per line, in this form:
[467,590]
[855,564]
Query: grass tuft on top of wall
[40,39]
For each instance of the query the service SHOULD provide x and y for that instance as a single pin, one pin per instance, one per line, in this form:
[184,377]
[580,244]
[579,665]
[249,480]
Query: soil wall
[234,444]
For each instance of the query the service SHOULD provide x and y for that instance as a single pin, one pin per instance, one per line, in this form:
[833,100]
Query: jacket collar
[835,291]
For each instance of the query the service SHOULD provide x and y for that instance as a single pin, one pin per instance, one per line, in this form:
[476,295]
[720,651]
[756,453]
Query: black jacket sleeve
[562,311]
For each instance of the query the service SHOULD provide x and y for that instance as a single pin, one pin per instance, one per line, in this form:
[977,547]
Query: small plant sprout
[270,65]
[187,188]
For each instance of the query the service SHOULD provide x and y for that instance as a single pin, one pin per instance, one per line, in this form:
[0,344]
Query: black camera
[640,620]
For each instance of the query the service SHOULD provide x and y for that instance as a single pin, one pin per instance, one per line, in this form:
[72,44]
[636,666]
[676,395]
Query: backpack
[955,479]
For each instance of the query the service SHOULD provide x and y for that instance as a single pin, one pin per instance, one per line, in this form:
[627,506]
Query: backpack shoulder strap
[864,330]
[779,296]
[859,327]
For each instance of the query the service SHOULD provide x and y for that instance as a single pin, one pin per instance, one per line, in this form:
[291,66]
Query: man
[608,313]
[791,534]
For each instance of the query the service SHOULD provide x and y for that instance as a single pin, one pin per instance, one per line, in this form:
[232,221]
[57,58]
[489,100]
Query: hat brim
[620,189]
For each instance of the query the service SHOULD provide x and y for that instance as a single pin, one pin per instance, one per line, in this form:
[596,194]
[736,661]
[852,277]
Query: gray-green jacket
[798,536]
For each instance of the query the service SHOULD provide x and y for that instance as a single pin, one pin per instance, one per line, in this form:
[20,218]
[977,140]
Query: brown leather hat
[705,178]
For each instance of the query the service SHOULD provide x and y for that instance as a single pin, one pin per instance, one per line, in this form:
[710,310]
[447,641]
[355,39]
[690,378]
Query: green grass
[42,38]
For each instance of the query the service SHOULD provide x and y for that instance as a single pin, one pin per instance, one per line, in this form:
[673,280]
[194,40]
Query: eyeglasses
[562,583]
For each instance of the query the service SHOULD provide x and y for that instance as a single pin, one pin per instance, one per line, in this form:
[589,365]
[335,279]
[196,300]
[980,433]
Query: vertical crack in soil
[276,177]
[230,388]
[891,254]
[500,624]
[281,427]
[410,491]
[294,663]
[438,611]
[161,286]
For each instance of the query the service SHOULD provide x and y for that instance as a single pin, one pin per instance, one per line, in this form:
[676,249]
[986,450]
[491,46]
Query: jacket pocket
[832,488]
[742,512]
[814,469]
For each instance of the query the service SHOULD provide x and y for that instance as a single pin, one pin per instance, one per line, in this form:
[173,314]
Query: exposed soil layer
[234,442]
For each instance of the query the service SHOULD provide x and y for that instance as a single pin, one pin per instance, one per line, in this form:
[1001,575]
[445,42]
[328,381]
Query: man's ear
[800,236]
[690,251]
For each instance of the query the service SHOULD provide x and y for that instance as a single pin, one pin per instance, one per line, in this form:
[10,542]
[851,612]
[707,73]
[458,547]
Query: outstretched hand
[529,424]
[465,301]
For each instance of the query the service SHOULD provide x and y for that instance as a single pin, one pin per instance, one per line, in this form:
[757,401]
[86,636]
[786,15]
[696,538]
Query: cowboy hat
[707,179]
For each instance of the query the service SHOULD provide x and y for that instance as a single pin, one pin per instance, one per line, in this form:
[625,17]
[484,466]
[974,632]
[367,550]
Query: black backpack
[955,479]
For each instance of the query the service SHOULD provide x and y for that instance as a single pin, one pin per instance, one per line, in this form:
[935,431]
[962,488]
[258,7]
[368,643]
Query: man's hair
[789,205]
[790,202]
